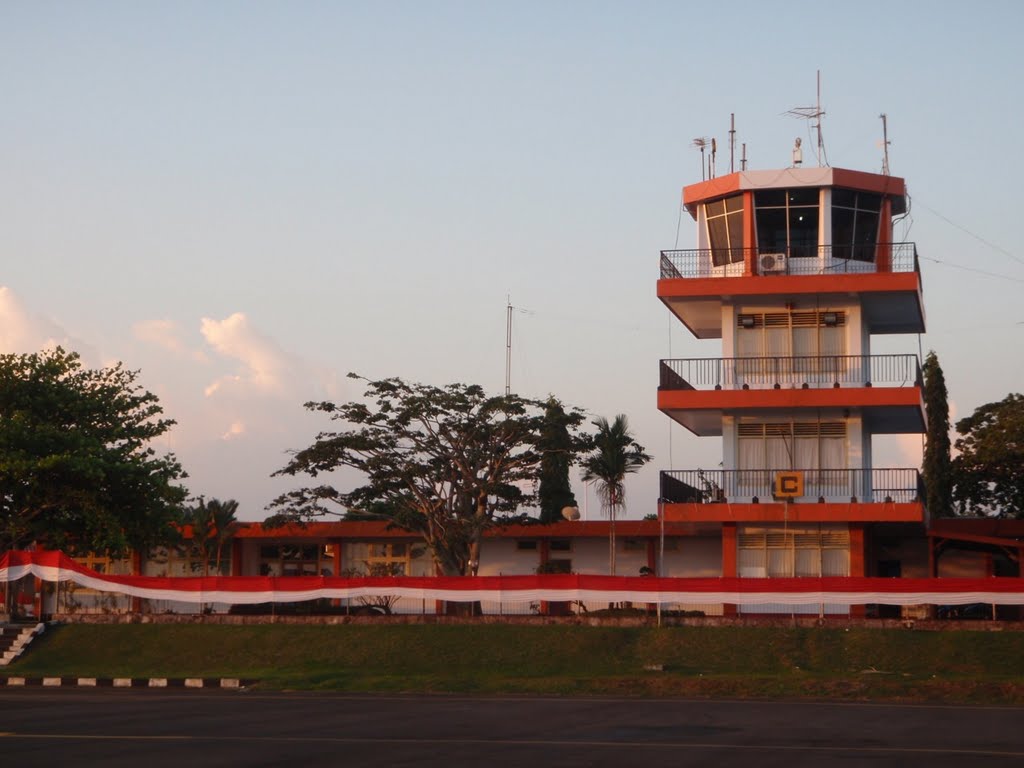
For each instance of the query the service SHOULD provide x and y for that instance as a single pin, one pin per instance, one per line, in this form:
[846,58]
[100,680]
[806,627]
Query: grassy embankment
[730,662]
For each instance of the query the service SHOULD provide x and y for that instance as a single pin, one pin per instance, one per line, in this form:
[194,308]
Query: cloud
[166,335]
[264,364]
[22,331]
[237,428]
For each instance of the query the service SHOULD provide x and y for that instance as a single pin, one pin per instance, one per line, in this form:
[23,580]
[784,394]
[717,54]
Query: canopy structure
[56,566]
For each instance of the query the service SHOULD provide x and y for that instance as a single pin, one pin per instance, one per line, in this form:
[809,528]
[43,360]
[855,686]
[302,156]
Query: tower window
[787,221]
[855,217]
[725,230]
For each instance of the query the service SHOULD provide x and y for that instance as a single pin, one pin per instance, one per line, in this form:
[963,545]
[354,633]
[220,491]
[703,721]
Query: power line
[977,237]
[973,269]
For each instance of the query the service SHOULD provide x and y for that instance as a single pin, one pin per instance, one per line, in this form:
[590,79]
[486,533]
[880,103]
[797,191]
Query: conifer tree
[558,450]
[938,468]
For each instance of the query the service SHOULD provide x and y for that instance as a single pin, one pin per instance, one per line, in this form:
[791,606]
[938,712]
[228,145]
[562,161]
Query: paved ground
[198,728]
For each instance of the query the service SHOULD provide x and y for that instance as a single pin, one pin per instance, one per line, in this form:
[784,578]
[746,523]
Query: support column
[883,255]
[729,569]
[749,234]
[339,560]
[136,560]
[237,566]
[337,564]
[544,551]
[652,566]
[857,557]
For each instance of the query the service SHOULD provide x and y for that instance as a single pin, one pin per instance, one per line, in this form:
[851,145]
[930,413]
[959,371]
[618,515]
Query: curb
[125,682]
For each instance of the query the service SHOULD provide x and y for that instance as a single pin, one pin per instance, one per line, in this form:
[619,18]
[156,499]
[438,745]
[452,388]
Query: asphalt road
[152,728]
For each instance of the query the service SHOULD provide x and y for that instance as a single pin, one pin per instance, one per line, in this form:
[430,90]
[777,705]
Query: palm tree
[615,454]
[224,524]
[213,525]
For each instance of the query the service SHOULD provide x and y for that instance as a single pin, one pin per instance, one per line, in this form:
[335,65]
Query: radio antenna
[885,145]
[814,113]
[700,142]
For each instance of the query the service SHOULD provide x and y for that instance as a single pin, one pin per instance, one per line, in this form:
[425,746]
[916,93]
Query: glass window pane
[771,230]
[866,201]
[865,236]
[770,198]
[715,208]
[735,222]
[734,203]
[844,198]
[719,236]
[842,233]
[803,232]
[803,196]
[777,342]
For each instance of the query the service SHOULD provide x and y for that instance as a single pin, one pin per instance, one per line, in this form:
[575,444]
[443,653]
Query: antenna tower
[813,113]
[700,142]
[732,142]
[508,347]
[885,145]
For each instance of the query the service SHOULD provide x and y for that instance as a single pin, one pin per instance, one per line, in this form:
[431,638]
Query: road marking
[633,745]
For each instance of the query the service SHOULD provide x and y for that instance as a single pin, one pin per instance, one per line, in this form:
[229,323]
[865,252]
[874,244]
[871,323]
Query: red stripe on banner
[869,589]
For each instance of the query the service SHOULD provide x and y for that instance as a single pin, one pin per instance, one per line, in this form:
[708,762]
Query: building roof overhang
[891,302]
[892,187]
[886,410]
[779,512]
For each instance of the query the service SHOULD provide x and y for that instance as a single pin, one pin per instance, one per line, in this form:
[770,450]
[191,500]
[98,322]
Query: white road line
[876,750]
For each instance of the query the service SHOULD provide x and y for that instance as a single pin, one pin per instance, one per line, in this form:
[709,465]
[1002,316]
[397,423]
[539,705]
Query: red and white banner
[55,566]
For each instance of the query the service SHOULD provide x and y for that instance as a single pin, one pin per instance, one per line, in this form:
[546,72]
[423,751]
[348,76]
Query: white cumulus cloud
[264,364]
[22,331]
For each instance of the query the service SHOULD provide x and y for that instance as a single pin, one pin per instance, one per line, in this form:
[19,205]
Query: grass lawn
[983,667]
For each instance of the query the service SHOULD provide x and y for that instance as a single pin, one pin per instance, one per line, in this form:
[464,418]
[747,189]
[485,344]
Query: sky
[245,201]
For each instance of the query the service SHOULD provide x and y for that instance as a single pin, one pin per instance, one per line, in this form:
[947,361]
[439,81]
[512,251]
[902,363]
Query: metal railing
[800,371]
[798,260]
[718,486]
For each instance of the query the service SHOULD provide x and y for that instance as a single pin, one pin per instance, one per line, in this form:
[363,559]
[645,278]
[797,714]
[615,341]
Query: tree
[988,472]
[938,467]
[213,526]
[558,450]
[446,462]
[76,468]
[615,454]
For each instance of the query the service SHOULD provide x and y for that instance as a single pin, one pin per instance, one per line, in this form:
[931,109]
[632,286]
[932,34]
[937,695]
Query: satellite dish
[571,513]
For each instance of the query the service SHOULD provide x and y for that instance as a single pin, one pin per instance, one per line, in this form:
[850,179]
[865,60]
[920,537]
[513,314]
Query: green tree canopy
[76,468]
[989,470]
[445,462]
[558,450]
[938,466]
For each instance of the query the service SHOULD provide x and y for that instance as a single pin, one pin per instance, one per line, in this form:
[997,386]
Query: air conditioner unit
[769,263]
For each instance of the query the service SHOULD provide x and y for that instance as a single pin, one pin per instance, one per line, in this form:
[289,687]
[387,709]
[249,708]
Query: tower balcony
[694,284]
[747,495]
[885,389]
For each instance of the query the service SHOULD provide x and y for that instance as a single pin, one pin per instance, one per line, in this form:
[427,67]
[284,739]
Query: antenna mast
[700,142]
[814,113]
[732,142]
[885,145]
[508,347]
